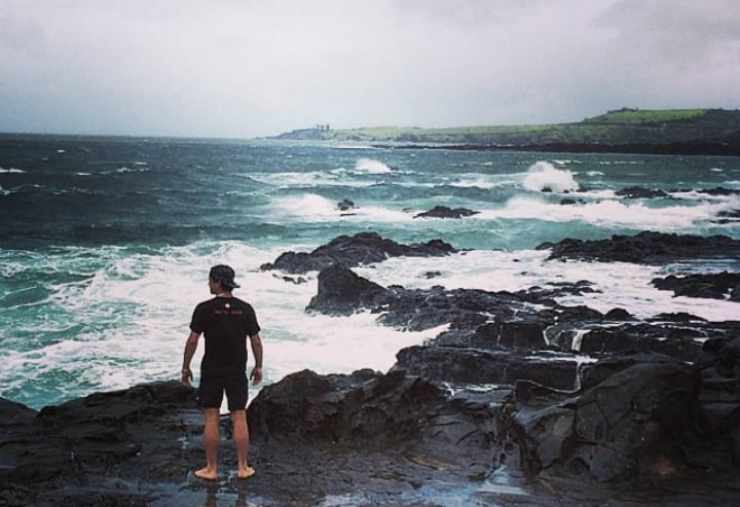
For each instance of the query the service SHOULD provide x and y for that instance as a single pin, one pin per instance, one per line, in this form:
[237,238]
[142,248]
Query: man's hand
[256,376]
[186,376]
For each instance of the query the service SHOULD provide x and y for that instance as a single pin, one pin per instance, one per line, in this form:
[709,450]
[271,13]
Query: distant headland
[625,130]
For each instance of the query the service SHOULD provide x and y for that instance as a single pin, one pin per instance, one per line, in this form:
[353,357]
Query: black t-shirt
[226,322]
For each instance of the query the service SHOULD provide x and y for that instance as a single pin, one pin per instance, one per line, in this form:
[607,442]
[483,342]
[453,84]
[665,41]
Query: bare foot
[206,473]
[245,473]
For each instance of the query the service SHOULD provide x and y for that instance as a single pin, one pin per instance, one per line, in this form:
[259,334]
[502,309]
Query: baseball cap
[224,275]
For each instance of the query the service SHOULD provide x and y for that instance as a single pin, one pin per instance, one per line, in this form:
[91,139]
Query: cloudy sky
[243,68]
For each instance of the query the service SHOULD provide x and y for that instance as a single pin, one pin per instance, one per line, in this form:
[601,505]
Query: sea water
[105,244]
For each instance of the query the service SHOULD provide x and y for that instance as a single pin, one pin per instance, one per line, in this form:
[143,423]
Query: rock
[297,280]
[345,204]
[645,247]
[640,193]
[680,343]
[546,189]
[618,314]
[677,317]
[713,286]
[445,212]
[367,411]
[464,365]
[735,294]
[432,274]
[622,428]
[362,248]
[568,201]
[342,292]
[734,213]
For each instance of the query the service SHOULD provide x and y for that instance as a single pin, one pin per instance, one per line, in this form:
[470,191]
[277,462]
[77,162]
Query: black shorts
[211,391]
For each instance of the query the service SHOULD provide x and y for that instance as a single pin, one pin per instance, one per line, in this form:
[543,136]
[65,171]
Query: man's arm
[190,346]
[256,342]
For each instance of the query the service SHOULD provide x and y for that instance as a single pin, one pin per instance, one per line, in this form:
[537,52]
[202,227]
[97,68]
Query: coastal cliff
[672,131]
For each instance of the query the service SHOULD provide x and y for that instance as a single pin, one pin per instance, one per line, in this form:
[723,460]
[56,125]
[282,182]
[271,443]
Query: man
[226,321]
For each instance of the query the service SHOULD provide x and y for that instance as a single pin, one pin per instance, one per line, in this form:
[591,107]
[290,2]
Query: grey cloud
[246,68]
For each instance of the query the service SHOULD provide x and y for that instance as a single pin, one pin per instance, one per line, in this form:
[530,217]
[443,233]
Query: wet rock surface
[714,286]
[445,212]
[517,400]
[362,248]
[645,247]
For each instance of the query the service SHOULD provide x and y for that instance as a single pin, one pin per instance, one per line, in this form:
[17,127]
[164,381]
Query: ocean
[105,244]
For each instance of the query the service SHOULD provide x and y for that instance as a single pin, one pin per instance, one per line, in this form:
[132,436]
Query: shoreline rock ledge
[646,247]
[350,251]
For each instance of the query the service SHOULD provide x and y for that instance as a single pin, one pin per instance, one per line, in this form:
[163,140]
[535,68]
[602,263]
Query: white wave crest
[543,175]
[313,207]
[622,284]
[126,169]
[372,166]
[610,213]
[11,170]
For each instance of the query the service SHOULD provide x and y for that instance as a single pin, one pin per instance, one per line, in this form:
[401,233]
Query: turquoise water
[105,243]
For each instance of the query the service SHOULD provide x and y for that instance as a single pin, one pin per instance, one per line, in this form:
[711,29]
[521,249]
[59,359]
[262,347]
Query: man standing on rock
[226,322]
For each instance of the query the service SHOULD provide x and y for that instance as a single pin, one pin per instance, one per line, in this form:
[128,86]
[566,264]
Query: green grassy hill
[624,126]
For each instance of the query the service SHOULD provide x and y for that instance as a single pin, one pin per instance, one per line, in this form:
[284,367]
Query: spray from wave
[371,166]
[543,175]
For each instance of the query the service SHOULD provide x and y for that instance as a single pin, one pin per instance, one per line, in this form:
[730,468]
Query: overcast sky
[243,68]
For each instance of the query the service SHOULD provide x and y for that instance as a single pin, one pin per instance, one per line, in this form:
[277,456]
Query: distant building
[322,127]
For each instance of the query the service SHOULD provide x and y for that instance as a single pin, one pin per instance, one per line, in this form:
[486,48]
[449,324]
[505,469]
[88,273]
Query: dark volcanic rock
[645,247]
[640,193]
[342,292]
[627,425]
[734,213]
[362,248]
[618,314]
[445,212]
[710,191]
[715,286]
[676,342]
[474,366]
[367,411]
[345,204]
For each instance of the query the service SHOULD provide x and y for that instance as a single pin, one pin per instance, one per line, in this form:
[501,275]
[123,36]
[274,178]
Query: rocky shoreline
[519,401]
[677,148]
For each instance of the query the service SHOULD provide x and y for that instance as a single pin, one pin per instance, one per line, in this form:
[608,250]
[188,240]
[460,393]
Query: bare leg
[241,441]
[210,443]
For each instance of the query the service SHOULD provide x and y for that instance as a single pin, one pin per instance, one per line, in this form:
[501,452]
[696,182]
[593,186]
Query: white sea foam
[717,169]
[335,177]
[83,174]
[609,213]
[594,173]
[372,166]
[314,207]
[543,175]
[11,170]
[483,181]
[125,169]
[695,195]
[135,313]
[621,284]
